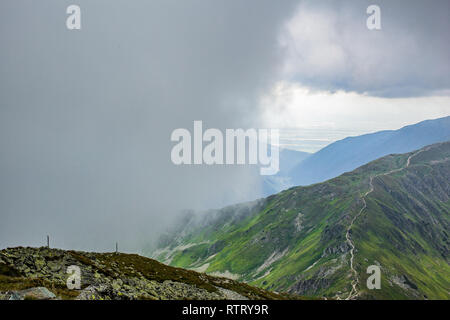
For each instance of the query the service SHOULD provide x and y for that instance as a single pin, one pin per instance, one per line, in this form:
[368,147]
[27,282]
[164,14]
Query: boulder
[37,293]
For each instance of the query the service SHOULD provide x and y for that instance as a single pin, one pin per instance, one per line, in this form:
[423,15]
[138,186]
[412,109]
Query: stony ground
[41,273]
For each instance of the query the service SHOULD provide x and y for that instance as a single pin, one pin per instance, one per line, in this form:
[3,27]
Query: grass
[12,283]
[403,228]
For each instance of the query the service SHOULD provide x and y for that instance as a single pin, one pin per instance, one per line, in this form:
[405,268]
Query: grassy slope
[402,229]
[405,228]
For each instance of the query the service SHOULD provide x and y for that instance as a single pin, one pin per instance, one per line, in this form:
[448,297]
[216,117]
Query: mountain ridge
[349,153]
[298,240]
[41,273]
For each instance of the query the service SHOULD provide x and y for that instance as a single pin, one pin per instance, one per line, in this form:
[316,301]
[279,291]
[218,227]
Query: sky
[326,117]
[86,115]
[339,78]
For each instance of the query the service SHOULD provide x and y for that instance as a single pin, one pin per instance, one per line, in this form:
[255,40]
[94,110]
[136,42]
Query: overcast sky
[339,78]
[86,115]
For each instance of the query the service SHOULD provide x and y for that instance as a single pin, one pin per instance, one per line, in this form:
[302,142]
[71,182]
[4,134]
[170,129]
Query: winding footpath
[354,292]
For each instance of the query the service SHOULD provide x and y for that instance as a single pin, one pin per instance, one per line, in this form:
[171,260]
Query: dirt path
[354,292]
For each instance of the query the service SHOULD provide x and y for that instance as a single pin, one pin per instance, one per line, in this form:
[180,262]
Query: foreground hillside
[41,273]
[319,240]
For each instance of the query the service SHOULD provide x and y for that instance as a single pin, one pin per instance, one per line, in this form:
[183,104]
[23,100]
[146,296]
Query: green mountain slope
[319,240]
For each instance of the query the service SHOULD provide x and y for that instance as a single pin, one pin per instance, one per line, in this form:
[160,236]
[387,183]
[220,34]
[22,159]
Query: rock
[104,276]
[117,284]
[310,286]
[37,293]
[95,292]
[15,296]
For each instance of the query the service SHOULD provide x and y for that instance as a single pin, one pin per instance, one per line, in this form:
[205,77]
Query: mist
[86,115]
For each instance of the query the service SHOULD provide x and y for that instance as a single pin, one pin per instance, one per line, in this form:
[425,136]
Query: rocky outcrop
[38,293]
[310,286]
[42,273]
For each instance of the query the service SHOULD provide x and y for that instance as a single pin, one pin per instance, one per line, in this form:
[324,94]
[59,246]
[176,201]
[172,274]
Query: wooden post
[48,241]
[117,248]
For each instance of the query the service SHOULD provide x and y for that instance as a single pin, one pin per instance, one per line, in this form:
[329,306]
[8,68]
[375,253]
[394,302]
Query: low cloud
[86,116]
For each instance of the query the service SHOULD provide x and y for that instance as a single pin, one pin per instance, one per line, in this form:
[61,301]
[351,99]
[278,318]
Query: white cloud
[290,105]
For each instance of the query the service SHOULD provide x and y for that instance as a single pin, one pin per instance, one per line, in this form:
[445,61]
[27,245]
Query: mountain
[289,159]
[348,154]
[41,273]
[319,240]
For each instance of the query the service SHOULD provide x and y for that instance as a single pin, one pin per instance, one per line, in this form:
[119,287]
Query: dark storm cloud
[86,116]
[329,47]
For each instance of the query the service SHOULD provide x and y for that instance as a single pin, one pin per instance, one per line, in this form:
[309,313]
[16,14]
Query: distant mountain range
[298,168]
[319,240]
[289,159]
[350,153]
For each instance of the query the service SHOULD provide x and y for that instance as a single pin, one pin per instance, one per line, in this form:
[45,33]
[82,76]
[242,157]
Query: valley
[318,240]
